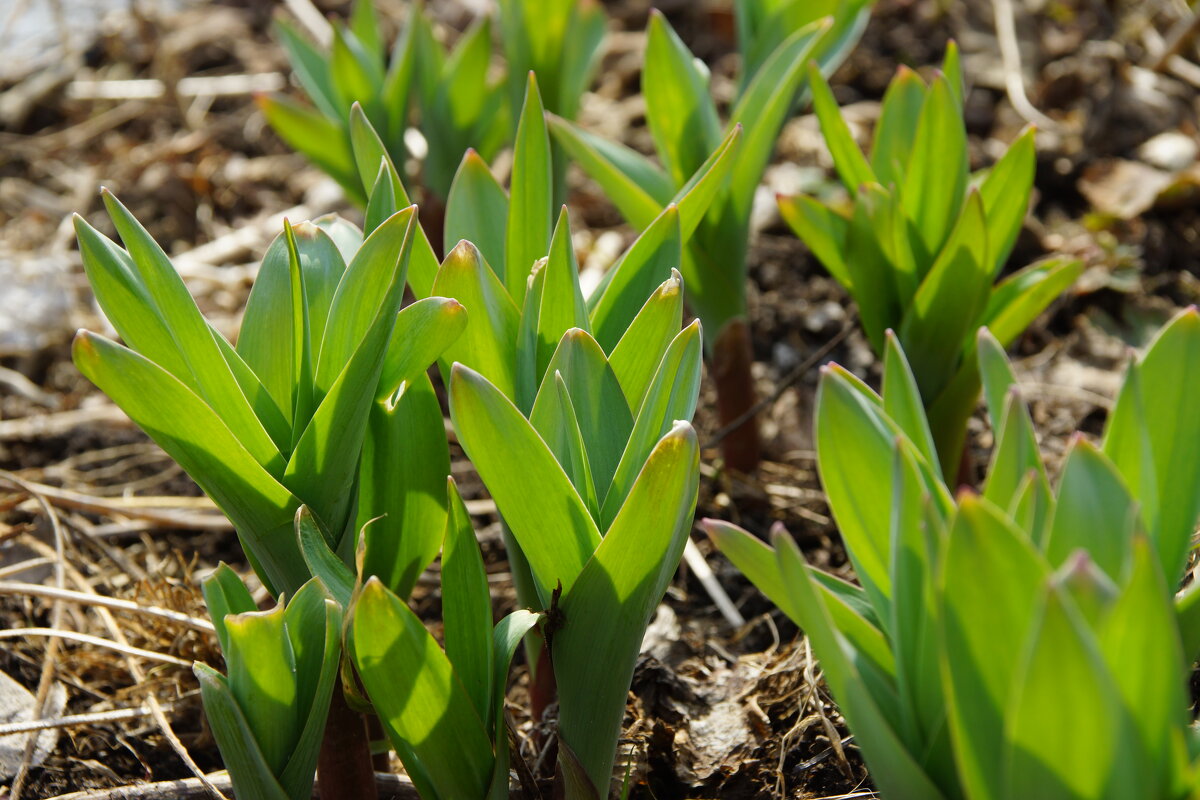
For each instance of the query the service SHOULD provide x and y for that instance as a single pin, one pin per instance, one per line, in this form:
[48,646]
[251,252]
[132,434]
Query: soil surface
[89,504]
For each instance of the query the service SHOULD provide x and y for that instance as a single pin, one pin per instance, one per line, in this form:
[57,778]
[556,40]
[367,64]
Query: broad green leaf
[561,305]
[528,376]
[381,202]
[200,442]
[608,608]
[402,485]
[993,582]
[420,701]
[370,152]
[320,671]
[555,420]
[679,112]
[370,287]
[324,465]
[902,402]
[422,332]
[947,306]
[998,378]
[1018,299]
[208,374]
[871,272]
[849,609]
[529,208]
[553,526]
[1015,456]
[895,770]
[1153,436]
[489,342]
[1142,621]
[1094,513]
[466,605]
[267,338]
[477,210]
[952,69]
[646,264]
[262,677]
[1066,716]
[672,396]
[604,417]
[1005,192]
[248,769]
[400,84]
[697,197]
[265,408]
[507,635]
[897,127]
[355,76]
[321,560]
[580,57]
[224,594]
[851,164]
[935,183]
[853,440]
[913,619]
[822,230]
[365,26]
[638,353]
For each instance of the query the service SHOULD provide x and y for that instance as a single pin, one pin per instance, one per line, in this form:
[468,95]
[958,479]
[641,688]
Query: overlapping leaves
[923,241]
[1025,642]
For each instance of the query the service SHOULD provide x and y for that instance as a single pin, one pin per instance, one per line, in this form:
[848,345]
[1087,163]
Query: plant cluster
[1023,641]
[458,103]
[922,240]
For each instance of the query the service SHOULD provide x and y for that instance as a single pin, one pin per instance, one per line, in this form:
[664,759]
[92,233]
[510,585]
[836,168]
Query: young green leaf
[489,342]
[466,605]
[608,607]
[530,203]
[679,111]
[553,525]
[423,706]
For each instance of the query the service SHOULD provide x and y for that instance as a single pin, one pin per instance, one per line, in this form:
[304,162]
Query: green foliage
[604,532]
[777,39]
[268,714]
[1025,642]
[459,103]
[923,241]
[325,362]
[511,261]
[442,710]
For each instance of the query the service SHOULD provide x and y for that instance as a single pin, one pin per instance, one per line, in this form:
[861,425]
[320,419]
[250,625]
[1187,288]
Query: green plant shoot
[1025,641]
[923,241]
[686,127]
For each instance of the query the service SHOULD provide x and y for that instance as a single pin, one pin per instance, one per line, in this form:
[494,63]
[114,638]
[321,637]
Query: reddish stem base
[732,358]
[344,769]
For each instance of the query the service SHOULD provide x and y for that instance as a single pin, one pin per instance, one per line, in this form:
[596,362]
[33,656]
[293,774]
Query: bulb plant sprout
[605,529]
[686,127]
[923,241]
[268,716]
[325,356]
[460,104]
[518,276]
[443,711]
[323,404]
[1026,641]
